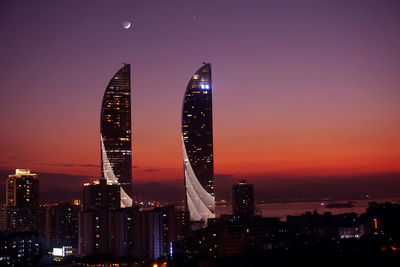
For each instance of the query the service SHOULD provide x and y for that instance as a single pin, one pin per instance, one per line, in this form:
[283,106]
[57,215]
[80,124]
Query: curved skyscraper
[197,138]
[115,127]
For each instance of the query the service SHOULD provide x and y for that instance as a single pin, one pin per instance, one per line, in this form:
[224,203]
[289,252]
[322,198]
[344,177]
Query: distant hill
[65,187]
[173,192]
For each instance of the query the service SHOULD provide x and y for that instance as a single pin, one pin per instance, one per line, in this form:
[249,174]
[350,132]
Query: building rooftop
[23,172]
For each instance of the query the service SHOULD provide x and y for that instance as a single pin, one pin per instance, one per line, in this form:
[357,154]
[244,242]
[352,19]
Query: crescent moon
[127,24]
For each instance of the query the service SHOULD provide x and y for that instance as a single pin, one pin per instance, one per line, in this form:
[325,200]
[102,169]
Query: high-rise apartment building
[101,194]
[22,211]
[22,189]
[243,200]
[21,248]
[62,225]
[102,224]
[151,233]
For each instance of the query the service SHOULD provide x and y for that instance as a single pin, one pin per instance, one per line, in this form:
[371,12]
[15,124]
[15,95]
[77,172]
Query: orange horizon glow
[293,151]
[240,153]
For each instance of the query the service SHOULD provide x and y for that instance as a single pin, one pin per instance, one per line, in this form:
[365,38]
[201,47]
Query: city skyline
[200,133]
[326,106]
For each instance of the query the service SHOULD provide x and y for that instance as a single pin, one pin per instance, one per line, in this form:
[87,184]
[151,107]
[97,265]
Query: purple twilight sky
[304,87]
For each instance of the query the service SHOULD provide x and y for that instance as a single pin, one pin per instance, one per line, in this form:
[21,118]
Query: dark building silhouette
[22,189]
[101,194]
[151,233]
[102,232]
[197,137]
[243,200]
[183,223]
[115,127]
[24,219]
[21,248]
[224,237]
[102,224]
[62,225]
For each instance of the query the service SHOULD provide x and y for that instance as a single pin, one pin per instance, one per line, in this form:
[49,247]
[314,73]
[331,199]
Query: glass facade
[115,127]
[197,138]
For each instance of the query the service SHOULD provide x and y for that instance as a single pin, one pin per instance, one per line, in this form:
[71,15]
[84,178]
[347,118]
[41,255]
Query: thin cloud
[19,158]
[71,165]
[76,165]
[224,174]
[59,164]
[152,170]
[89,165]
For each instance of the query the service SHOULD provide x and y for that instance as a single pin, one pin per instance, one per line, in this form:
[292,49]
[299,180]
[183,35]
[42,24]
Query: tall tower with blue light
[197,139]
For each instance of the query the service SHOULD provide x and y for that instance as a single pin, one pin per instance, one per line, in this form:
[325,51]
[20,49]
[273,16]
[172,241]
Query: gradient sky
[299,87]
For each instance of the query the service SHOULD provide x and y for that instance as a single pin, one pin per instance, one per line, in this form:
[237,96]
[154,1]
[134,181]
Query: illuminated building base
[126,200]
[200,203]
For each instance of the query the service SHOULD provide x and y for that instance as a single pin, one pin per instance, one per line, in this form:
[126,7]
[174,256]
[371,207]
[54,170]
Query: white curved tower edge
[201,204]
[126,200]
